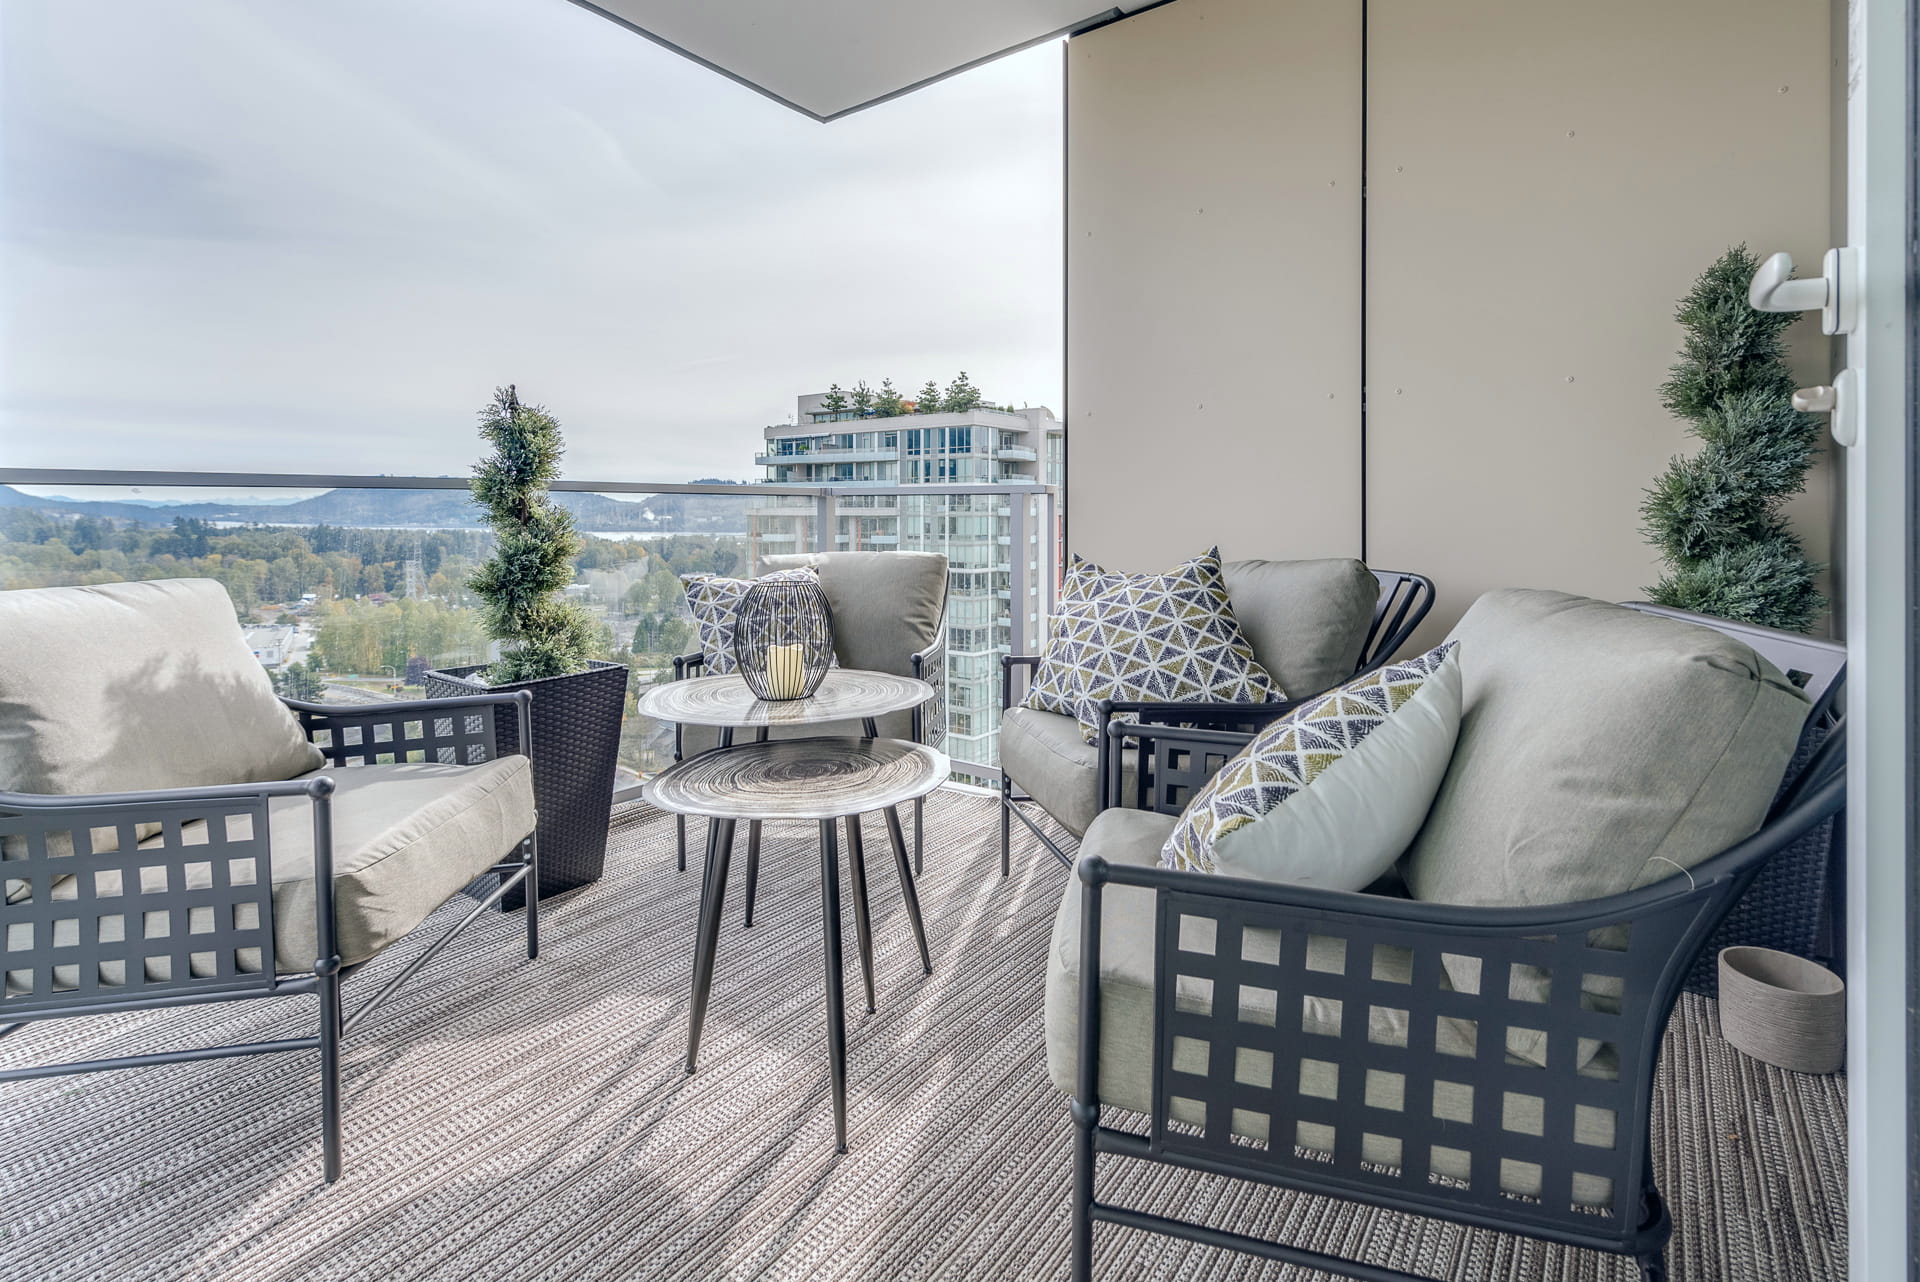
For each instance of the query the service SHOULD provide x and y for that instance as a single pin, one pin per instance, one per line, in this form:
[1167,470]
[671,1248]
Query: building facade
[980,485]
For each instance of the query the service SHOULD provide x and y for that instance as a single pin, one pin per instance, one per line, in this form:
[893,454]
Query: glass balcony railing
[352,588]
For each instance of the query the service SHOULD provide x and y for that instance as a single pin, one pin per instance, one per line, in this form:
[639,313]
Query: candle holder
[783,639]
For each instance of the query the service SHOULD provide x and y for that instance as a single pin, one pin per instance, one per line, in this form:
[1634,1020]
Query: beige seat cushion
[1133,837]
[406,838]
[1600,749]
[1044,753]
[1306,620]
[132,686]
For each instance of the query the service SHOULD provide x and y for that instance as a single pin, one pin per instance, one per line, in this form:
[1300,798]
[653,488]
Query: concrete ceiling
[825,58]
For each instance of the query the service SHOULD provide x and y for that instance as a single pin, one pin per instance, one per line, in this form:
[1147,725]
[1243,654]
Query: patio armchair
[173,833]
[1311,624]
[1489,1063]
[889,615]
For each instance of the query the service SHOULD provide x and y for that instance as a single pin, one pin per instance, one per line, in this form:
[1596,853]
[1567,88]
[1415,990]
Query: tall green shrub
[541,634]
[1715,517]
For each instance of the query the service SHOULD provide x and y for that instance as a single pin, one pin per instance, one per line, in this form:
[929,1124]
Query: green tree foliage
[1715,517]
[960,395]
[834,402]
[886,401]
[541,634]
[363,637]
[861,402]
[927,400]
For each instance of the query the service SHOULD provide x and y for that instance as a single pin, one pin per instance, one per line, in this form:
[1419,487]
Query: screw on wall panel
[1569,133]
[1784,88]
[1398,391]
[1399,169]
[1569,378]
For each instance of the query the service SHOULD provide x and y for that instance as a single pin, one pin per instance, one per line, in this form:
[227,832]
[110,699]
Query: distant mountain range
[426,509]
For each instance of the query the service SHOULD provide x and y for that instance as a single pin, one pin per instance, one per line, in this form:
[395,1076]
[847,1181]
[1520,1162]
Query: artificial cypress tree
[541,634]
[1716,516]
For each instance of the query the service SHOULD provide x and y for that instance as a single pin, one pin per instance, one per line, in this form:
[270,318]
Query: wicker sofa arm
[1491,1065]
[459,731]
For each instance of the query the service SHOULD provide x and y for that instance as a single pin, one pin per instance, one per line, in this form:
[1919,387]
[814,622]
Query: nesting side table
[826,780]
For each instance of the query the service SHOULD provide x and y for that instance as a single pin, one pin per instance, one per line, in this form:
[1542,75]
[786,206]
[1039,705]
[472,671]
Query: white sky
[263,235]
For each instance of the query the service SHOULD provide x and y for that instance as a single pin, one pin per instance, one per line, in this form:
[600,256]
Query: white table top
[845,694]
[823,778]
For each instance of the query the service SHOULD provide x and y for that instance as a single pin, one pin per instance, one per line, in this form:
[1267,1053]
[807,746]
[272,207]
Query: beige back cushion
[1600,749]
[1306,620]
[131,686]
[887,606]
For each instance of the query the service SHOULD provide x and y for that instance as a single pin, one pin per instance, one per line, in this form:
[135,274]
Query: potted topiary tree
[545,644]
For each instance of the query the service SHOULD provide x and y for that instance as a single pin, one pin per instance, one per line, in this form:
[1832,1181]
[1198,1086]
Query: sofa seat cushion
[1600,749]
[1306,620]
[1330,794]
[1045,754]
[406,838]
[127,687]
[1127,931]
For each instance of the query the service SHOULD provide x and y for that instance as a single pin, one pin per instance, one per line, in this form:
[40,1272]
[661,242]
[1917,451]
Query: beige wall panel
[1213,261]
[1546,181]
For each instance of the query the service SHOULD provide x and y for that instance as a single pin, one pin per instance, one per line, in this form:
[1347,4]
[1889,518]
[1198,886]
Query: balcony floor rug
[512,1120]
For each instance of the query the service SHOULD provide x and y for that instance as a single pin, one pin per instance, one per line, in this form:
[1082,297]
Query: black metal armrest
[684,665]
[1174,762]
[201,854]
[1008,662]
[1490,1065]
[462,731]
[929,664]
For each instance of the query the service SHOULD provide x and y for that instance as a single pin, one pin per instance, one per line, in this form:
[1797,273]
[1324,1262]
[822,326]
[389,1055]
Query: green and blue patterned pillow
[1334,792]
[1167,638]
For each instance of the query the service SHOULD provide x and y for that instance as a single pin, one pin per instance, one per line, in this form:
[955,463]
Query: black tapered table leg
[862,925]
[899,844]
[753,865]
[919,836]
[680,839]
[719,850]
[836,1002]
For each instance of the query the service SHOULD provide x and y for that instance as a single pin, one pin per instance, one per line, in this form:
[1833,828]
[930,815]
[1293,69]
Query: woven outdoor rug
[507,1120]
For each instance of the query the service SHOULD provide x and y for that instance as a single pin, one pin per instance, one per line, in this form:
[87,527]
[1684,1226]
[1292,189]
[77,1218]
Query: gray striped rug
[508,1120]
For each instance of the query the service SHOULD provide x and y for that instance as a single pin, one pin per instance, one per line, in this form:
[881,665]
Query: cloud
[257,235]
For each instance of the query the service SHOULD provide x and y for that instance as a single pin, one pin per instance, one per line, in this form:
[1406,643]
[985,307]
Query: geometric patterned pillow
[1167,638]
[1332,793]
[715,602]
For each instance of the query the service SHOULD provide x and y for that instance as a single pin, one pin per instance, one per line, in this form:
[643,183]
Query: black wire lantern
[783,639]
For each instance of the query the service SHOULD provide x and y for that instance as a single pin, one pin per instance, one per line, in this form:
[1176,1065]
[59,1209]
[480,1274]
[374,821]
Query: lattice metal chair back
[1405,599]
[1490,1066]
[99,912]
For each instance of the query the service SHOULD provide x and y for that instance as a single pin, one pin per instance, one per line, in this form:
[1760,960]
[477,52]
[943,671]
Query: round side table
[844,694]
[828,780]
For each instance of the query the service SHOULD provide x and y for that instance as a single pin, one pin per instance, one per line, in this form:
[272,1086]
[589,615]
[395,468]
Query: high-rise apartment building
[980,485]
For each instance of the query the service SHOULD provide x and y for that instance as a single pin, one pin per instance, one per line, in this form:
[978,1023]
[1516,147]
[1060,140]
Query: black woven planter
[576,742]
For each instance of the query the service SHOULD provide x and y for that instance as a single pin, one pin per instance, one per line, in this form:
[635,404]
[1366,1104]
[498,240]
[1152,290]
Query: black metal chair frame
[929,726]
[1642,942]
[220,835]
[1405,598]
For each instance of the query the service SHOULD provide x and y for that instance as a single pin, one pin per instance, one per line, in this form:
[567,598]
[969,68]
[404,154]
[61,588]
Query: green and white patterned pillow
[1168,638]
[1334,792]
[715,601]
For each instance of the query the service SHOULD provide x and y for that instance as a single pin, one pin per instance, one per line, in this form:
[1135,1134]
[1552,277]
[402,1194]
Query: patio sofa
[1312,624]
[172,833]
[1475,1037]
